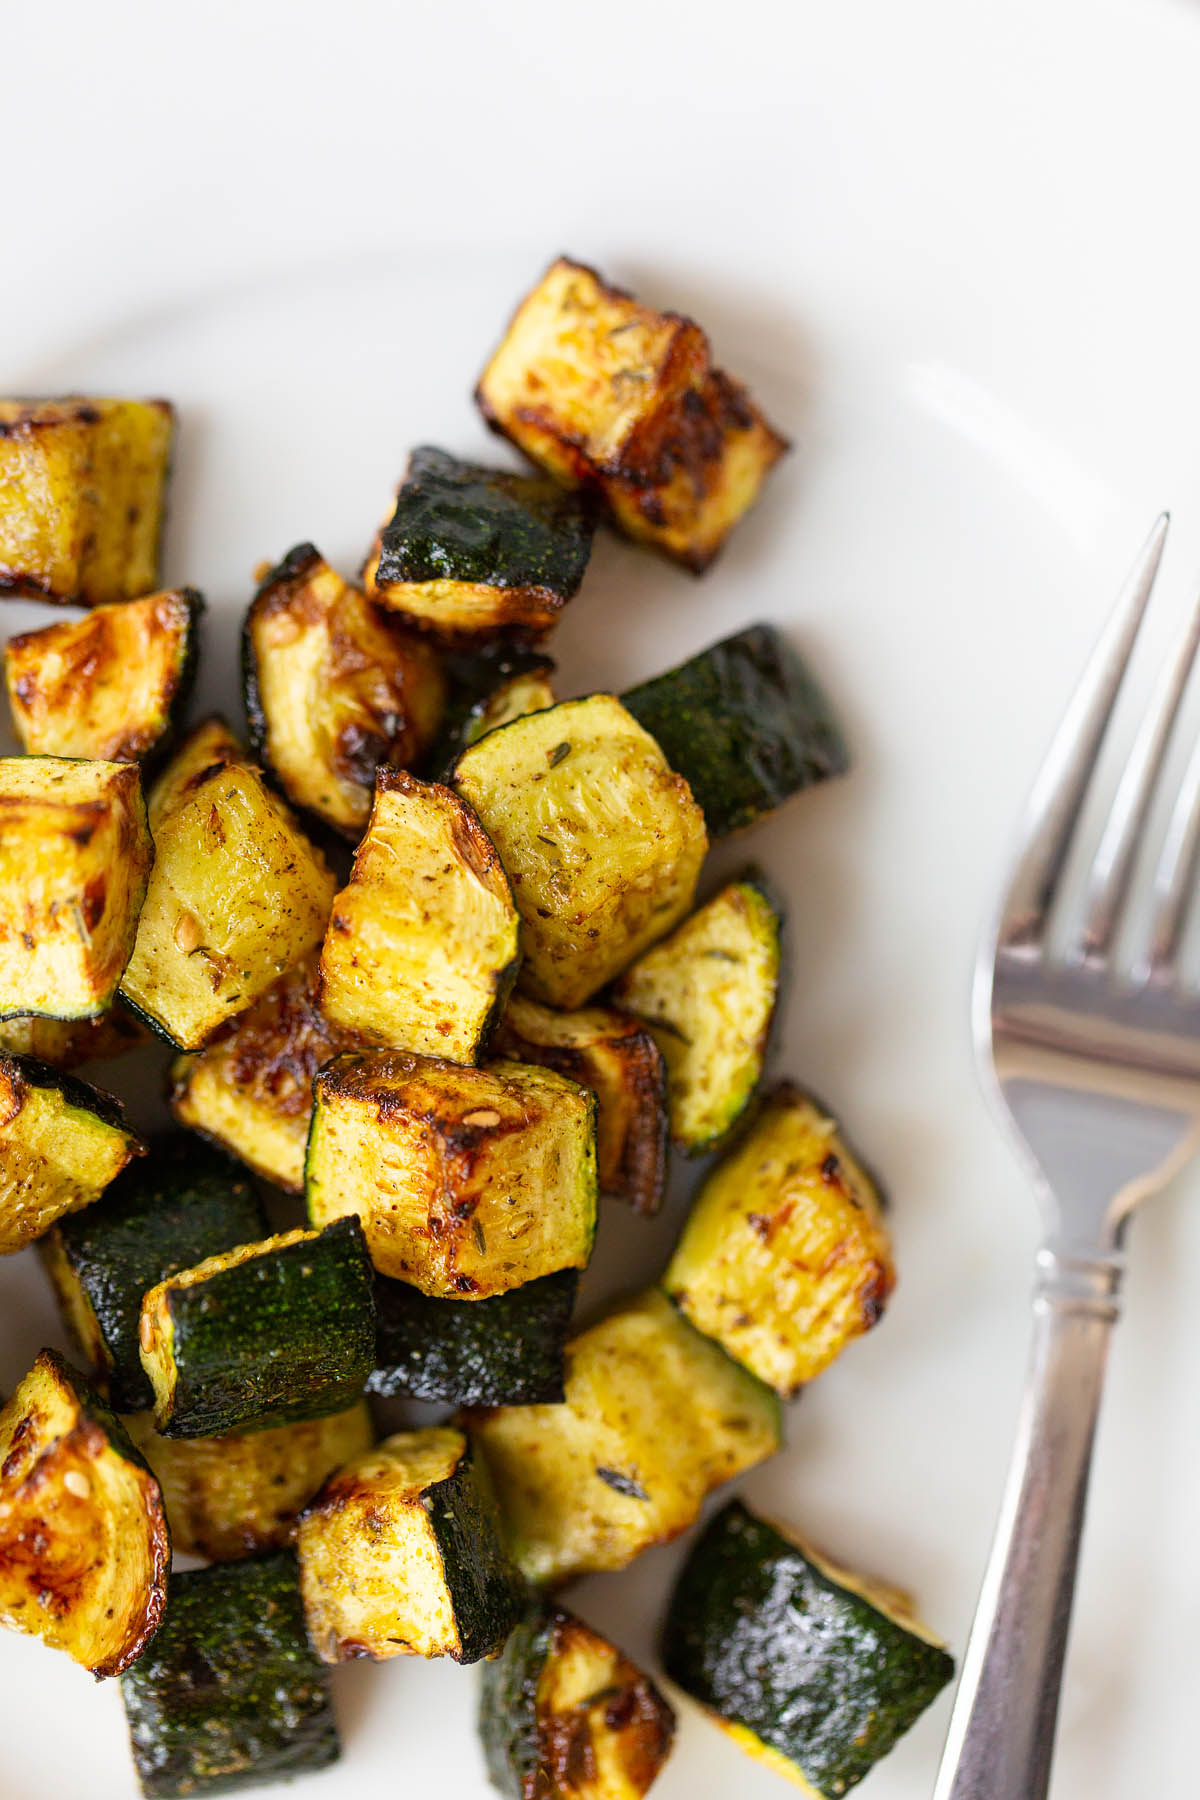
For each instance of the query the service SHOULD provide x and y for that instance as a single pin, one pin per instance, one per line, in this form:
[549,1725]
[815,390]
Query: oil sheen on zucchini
[468,1182]
[61,1144]
[84,1550]
[602,842]
[264,1335]
[565,1716]
[655,1417]
[168,1211]
[401,1555]
[506,1351]
[812,1670]
[708,994]
[745,723]
[230,1695]
[75,857]
[785,1257]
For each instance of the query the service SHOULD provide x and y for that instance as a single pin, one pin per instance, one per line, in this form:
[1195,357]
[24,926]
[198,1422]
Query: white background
[954,250]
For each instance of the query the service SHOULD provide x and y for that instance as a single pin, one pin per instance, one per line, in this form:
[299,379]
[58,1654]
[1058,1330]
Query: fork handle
[1001,1738]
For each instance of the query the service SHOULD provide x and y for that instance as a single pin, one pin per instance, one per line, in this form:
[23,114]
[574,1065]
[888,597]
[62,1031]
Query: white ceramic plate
[951,249]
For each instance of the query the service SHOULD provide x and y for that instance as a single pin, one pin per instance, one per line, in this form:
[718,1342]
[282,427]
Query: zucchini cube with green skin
[602,841]
[61,1144]
[333,688]
[82,496]
[423,942]
[785,1258]
[108,686]
[745,723]
[617,1058]
[810,1669]
[236,897]
[401,1555]
[506,1351]
[708,994]
[474,553]
[84,1550]
[468,1182]
[563,1715]
[168,1211]
[482,682]
[264,1335]
[75,859]
[655,1417]
[230,1695]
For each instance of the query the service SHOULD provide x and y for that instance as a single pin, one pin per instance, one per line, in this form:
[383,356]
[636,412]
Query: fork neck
[1070,1280]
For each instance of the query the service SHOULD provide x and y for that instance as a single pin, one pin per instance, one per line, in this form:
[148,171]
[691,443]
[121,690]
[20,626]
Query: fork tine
[1061,787]
[1174,876]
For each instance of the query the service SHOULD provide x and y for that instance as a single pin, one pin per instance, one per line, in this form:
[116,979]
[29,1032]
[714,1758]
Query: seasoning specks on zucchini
[505,1351]
[61,1144]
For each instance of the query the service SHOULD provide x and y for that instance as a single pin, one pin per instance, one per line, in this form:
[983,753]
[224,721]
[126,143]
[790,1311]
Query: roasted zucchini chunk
[84,1550]
[168,1211]
[785,1257]
[616,1057]
[474,553]
[230,1695]
[624,402]
[812,1670]
[423,943]
[82,496]
[708,994]
[564,1716]
[468,1182]
[482,683]
[75,857]
[229,1497]
[401,1555]
[108,686]
[333,688]
[250,1089]
[61,1143]
[744,723]
[209,744]
[268,1334]
[656,1416]
[506,1351]
[65,1043]
[236,897]
[602,842]
[525,692]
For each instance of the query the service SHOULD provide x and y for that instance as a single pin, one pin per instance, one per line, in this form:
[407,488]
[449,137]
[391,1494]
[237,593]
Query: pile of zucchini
[514,996]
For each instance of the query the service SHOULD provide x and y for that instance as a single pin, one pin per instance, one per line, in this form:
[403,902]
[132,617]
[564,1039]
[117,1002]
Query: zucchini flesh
[617,1058]
[745,723]
[75,857]
[264,1335]
[506,1351]
[401,1555]
[84,1549]
[65,1043]
[169,1210]
[83,485]
[423,943]
[250,1088]
[602,842]
[475,680]
[61,1143]
[812,1670]
[565,1716]
[333,688]
[708,994]
[208,744]
[785,1258]
[655,1417]
[468,1182]
[229,1694]
[471,552]
[108,686]
[233,1496]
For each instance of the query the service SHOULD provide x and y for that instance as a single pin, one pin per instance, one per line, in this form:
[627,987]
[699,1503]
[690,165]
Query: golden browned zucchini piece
[82,496]
[65,1043]
[785,1258]
[334,688]
[84,1551]
[61,1143]
[206,745]
[106,686]
[75,856]
[614,397]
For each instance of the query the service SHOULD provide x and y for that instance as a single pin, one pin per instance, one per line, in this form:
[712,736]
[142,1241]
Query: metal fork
[1096,1076]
